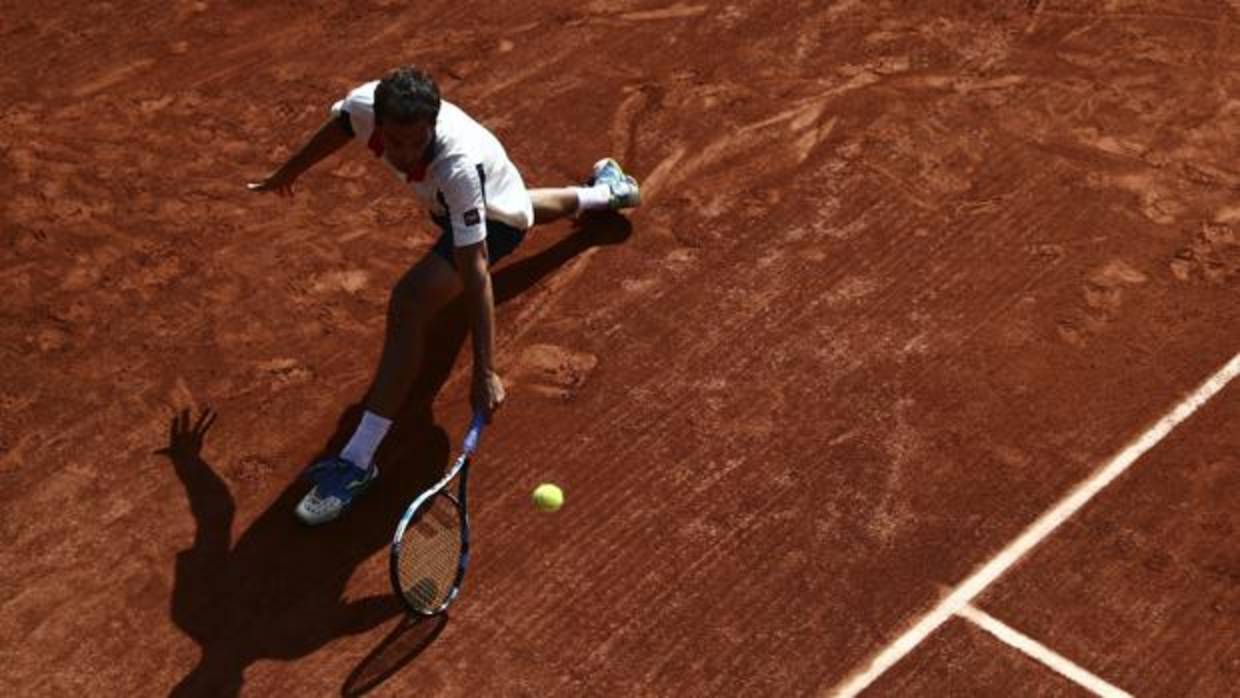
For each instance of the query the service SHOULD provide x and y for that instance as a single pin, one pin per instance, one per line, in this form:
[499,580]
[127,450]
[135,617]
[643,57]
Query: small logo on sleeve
[472,217]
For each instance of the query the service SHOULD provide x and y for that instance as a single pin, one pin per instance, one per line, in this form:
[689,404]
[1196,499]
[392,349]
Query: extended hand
[279,181]
[487,393]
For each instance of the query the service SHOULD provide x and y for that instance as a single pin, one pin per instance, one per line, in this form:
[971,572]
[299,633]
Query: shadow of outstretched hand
[185,441]
[209,498]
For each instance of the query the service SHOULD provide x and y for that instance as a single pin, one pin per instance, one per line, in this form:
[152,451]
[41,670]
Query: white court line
[1042,653]
[1046,524]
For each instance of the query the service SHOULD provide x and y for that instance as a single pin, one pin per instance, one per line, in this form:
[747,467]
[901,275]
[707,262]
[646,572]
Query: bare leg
[553,204]
[415,299]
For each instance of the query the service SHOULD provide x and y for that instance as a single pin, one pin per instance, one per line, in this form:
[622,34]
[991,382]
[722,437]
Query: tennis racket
[430,550]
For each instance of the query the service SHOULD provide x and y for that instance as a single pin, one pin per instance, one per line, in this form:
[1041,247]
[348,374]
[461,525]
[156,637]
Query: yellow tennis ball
[548,497]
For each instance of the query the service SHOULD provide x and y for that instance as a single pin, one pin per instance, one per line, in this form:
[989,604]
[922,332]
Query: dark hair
[405,96]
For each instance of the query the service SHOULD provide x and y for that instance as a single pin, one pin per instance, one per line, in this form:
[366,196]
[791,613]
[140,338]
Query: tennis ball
[548,497]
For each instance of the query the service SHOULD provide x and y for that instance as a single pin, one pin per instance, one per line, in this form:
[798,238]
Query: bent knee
[419,295]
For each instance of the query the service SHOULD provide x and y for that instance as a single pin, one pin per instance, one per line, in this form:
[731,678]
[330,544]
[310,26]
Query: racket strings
[432,544]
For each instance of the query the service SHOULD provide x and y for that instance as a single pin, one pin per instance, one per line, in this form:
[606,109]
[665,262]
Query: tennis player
[476,196]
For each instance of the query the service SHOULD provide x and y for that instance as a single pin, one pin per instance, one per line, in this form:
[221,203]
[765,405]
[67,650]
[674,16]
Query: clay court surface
[906,275]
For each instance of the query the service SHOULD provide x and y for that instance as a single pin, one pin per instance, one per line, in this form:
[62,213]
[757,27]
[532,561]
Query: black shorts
[502,239]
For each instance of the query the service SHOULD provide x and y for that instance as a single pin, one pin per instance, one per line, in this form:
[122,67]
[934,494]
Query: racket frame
[459,467]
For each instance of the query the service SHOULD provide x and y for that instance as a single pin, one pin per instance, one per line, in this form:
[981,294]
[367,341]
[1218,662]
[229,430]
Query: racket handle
[475,431]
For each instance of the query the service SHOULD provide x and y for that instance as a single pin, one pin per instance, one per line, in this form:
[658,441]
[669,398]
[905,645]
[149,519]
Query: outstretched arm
[486,390]
[330,137]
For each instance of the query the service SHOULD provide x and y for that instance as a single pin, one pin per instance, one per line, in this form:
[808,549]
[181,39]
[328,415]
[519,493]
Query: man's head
[406,96]
[406,106]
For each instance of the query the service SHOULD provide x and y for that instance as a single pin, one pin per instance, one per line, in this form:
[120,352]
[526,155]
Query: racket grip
[475,431]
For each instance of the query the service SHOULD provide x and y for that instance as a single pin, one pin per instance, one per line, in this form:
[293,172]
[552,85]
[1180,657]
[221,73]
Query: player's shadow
[277,591]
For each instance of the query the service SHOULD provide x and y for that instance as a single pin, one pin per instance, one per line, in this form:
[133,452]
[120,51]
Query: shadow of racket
[411,636]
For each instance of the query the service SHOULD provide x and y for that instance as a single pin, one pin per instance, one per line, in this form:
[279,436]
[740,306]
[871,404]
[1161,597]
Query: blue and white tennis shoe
[337,482]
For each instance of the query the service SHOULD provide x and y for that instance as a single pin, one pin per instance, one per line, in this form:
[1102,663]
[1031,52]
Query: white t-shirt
[469,178]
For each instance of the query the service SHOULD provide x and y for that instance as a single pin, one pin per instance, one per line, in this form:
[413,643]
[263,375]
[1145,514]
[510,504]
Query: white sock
[595,198]
[361,448]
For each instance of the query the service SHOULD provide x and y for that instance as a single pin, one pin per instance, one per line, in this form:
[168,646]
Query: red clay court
[913,376]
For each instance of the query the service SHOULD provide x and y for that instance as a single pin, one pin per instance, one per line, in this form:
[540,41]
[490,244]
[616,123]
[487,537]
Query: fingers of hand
[206,418]
[487,400]
[495,402]
[283,188]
